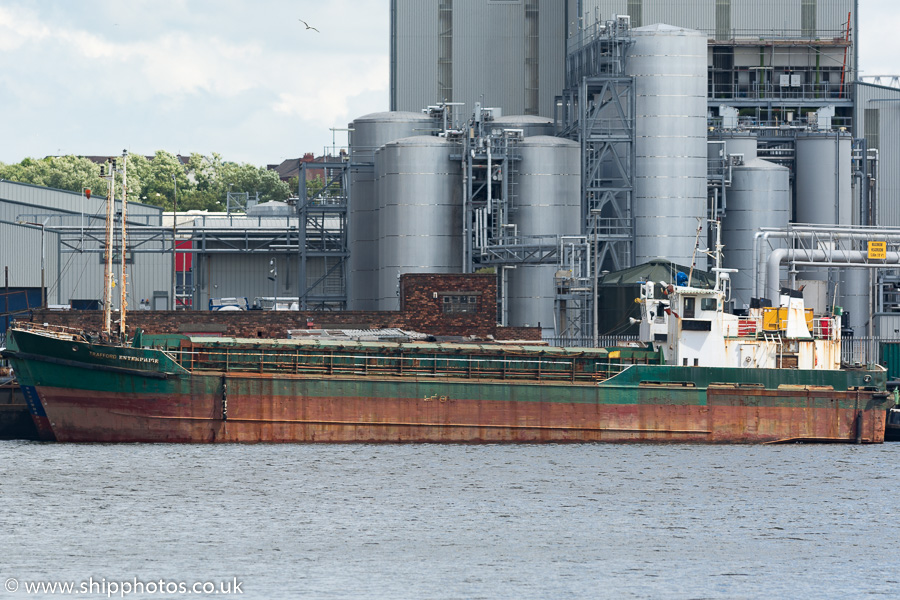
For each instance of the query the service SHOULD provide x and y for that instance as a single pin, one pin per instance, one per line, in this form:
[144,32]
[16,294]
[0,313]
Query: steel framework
[597,109]
[324,214]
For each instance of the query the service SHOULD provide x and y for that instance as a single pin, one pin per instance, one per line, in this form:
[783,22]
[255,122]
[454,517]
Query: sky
[242,78]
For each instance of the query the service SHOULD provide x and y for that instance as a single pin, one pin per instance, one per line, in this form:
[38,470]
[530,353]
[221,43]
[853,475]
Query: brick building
[443,306]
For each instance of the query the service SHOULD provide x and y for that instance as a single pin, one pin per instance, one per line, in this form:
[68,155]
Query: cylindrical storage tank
[419,215]
[824,197]
[743,143]
[548,204]
[531,125]
[759,196]
[823,179]
[669,68]
[273,208]
[367,134]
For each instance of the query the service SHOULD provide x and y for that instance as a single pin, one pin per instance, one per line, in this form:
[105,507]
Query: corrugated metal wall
[81,276]
[237,273]
[747,16]
[247,276]
[489,53]
[20,250]
[72,203]
[885,102]
[415,37]
[71,274]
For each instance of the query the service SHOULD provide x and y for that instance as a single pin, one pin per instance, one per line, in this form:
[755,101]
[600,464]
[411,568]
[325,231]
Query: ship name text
[110,356]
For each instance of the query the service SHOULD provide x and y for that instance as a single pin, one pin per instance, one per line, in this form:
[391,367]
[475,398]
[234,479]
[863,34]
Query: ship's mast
[123,302]
[110,176]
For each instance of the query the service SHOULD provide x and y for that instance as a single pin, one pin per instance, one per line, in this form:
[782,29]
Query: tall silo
[367,134]
[419,217]
[669,68]
[759,196]
[548,205]
[531,125]
[823,178]
[824,197]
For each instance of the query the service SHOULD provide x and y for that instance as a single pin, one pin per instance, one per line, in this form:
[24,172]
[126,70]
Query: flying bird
[308,26]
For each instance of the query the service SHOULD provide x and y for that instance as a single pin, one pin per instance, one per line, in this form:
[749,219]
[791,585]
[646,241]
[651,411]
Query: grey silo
[823,178]
[669,68]
[419,214]
[368,133]
[737,142]
[824,197]
[759,196]
[548,205]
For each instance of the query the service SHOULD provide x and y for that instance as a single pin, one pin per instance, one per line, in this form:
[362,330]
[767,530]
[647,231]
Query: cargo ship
[699,374]
[702,376]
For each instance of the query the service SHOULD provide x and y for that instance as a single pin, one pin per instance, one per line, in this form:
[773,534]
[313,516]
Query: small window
[709,304]
[461,304]
[117,257]
[689,308]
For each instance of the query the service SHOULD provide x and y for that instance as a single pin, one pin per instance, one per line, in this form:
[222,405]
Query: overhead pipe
[808,257]
[861,234]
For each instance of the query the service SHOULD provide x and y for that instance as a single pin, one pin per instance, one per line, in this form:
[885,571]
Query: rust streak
[422,424]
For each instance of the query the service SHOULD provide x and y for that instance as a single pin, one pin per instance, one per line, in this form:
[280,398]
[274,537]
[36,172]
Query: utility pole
[273,275]
[6,297]
[174,228]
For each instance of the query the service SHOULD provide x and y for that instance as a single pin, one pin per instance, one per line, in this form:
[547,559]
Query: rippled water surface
[437,521]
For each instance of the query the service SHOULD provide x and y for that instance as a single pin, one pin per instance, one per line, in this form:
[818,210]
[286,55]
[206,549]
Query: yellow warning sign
[877,250]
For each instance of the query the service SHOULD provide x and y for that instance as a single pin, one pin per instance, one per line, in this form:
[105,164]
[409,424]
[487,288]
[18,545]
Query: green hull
[238,391]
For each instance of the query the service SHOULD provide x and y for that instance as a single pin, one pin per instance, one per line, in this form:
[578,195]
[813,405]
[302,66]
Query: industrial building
[553,141]
[53,245]
[750,113]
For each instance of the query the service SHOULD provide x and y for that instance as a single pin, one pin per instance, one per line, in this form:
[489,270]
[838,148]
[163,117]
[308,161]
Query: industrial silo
[669,69]
[738,142]
[531,125]
[759,196]
[367,134]
[273,208]
[823,178]
[824,197]
[548,205]
[419,216]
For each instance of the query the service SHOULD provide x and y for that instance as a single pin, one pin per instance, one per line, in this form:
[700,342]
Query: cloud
[325,95]
[245,80]
[19,27]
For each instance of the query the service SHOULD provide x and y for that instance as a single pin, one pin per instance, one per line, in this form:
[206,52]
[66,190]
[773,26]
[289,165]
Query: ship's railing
[58,331]
[419,364]
[603,341]
[749,326]
[823,328]
[858,351]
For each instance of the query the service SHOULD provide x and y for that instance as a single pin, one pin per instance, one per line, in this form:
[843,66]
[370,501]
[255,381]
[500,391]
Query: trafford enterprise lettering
[140,359]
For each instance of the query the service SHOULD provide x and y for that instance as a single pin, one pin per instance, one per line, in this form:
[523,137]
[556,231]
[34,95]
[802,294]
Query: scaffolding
[597,109]
[324,213]
[490,160]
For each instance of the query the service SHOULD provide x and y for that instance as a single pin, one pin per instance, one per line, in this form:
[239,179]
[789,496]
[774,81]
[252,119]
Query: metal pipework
[861,234]
[818,258]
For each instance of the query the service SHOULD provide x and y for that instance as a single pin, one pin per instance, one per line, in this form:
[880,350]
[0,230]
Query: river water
[450,521]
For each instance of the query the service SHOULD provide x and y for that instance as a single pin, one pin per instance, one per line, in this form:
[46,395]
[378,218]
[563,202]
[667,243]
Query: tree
[72,173]
[202,182]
